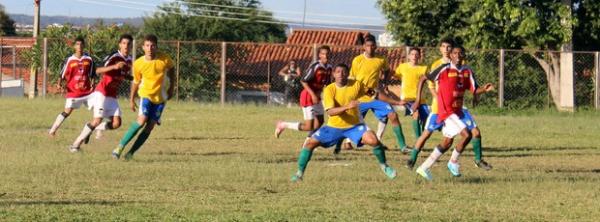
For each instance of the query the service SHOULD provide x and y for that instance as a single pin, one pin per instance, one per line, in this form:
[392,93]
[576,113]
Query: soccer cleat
[116,153]
[279,127]
[297,177]
[454,169]
[389,172]
[483,165]
[406,149]
[74,149]
[424,173]
[128,156]
[410,164]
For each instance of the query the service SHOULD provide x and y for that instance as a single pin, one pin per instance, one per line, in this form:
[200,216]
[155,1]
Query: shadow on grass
[572,171]
[525,149]
[65,202]
[161,153]
[202,138]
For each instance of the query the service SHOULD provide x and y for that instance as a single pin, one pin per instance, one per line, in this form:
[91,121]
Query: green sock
[476,142]
[139,142]
[414,154]
[399,136]
[303,159]
[416,128]
[379,152]
[133,129]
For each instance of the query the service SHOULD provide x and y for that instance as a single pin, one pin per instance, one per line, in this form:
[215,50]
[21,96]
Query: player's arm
[298,73]
[283,71]
[309,76]
[339,110]
[64,74]
[135,85]
[432,76]
[109,68]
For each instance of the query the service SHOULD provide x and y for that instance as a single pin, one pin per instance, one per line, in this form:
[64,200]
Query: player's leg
[454,126]
[307,125]
[70,105]
[325,136]
[154,115]
[368,137]
[384,112]
[143,116]
[476,142]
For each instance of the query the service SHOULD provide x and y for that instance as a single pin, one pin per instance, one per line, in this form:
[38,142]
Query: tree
[203,20]
[516,24]
[7,25]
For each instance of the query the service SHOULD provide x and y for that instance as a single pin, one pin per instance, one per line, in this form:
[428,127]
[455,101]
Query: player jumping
[340,100]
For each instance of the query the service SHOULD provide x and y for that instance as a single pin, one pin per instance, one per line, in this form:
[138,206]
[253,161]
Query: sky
[348,12]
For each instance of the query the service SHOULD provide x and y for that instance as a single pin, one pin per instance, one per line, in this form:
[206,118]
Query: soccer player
[452,80]
[409,73]
[316,77]
[340,100]
[153,81]
[369,68]
[116,68]
[77,73]
[431,124]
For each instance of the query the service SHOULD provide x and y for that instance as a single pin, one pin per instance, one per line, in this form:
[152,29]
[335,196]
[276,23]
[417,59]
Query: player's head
[414,54]
[324,53]
[125,42]
[340,73]
[370,45]
[79,44]
[446,45]
[150,44]
[292,64]
[457,55]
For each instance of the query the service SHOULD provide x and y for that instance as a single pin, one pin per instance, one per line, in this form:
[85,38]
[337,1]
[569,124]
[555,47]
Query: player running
[369,68]
[452,80]
[409,73]
[153,81]
[77,73]
[340,100]
[116,69]
[431,124]
[316,77]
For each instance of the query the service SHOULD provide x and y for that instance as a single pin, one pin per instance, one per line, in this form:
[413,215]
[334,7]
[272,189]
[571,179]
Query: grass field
[213,163]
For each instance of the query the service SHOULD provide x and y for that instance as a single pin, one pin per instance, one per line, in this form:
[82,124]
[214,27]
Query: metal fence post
[314,53]
[597,78]
[45,68]
[223,60]
[501,79]
[1,75]
[177,71]
[14,61]
[269,80]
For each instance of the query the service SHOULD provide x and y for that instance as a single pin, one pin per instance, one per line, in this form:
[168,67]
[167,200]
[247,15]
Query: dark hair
[343,66]
[462,49]
[414,49]
[79,39]
[370,38]
[447,40]
[324,47]
[126,36]
[151,38]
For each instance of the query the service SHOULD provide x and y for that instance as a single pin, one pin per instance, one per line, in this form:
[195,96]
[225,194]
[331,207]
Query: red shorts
[306,99]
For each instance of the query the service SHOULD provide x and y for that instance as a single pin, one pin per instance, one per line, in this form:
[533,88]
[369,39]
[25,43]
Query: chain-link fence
[250,72]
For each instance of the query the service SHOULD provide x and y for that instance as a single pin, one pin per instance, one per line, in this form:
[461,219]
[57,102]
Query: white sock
[380,129]
[87,130]
[435,155]
[102,126]
[59,120]
[454,157]
[292,125]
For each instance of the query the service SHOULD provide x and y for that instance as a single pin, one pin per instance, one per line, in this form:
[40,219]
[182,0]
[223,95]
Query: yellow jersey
[335,96]
[152,77]
[410,76]
[367,71]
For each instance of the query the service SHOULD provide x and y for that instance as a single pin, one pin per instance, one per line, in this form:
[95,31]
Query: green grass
[213,163]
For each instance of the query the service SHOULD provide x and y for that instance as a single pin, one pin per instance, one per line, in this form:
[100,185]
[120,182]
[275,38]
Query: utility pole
[304,15]
[36,31]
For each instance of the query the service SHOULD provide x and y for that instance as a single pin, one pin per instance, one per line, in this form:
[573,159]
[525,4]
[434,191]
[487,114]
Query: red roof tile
[329,37]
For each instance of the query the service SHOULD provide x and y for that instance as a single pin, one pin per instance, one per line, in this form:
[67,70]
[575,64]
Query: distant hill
[78,21]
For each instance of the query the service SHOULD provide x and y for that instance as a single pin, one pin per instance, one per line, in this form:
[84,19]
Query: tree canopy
[7,25]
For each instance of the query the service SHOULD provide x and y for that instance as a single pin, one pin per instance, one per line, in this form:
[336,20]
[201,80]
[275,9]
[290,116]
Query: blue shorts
[151,110]
[432,125]
[380,108]
[423,110]
[329,136]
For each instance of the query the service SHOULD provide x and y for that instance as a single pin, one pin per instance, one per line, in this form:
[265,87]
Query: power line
[249,14]
[232,18]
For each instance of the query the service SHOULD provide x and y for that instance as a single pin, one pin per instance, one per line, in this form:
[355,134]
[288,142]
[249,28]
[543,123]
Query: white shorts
[310,112]
[104,107]
[75,103]
[452,126]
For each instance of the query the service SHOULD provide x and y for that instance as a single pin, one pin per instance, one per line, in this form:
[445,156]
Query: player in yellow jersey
[431,124]
[340,100]
[369,68]
[152,76]
[409,74]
